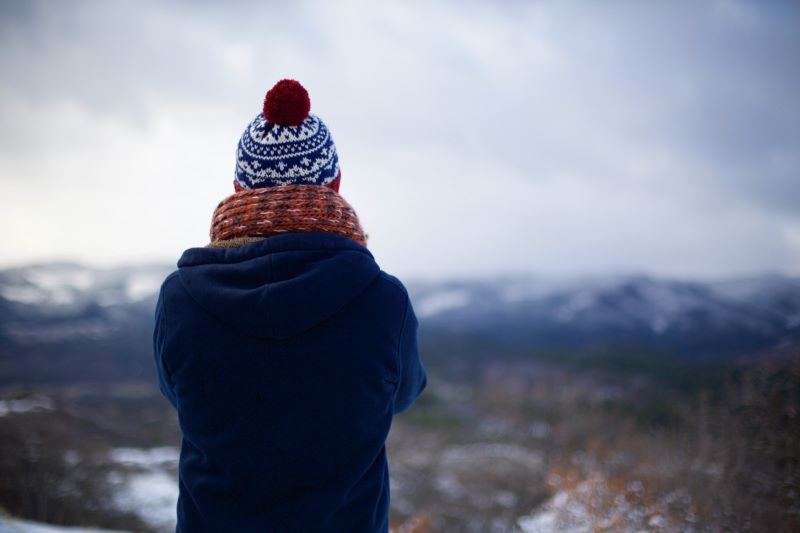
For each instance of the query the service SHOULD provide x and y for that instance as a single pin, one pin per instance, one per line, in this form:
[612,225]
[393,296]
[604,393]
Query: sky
[475,138]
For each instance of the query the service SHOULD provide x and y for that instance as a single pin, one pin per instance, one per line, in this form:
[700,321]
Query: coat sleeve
[413,377]
[159,343]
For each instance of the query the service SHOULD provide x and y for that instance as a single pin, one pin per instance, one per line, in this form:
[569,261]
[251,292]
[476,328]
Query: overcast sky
[475,138]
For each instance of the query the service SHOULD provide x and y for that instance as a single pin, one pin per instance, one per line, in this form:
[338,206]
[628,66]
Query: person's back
[286,351]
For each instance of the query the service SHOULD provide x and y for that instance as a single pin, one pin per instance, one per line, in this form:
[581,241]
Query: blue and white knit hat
[285,144]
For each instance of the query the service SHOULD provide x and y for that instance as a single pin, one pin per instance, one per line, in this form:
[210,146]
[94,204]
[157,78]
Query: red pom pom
[287,103]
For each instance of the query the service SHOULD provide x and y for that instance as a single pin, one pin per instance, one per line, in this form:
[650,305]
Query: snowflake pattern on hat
[272,154]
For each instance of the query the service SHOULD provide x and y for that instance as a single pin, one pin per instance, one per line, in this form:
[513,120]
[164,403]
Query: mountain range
[730,317]
[52,307]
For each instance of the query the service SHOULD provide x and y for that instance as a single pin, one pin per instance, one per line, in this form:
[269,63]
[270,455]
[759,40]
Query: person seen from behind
[284,347]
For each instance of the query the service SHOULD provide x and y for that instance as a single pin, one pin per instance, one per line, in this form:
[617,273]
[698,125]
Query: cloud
[475,138]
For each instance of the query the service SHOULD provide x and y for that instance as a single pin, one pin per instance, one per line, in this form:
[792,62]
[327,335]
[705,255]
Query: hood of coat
[280,286]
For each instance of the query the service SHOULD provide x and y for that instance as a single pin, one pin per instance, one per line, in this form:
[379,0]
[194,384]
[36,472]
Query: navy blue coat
[285,359]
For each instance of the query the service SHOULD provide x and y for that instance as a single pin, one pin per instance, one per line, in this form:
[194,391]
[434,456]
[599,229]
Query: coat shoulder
[392,280]
[393,291]
[170,283]
[172,292]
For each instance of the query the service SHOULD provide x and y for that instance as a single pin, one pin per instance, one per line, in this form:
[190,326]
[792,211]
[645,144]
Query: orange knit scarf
[259,213]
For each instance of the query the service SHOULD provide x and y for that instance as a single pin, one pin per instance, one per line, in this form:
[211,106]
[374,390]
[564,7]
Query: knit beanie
[285,144]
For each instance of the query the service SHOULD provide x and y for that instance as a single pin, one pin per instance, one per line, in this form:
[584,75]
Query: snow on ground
[146,458]
[145,486]
[592,505]
[143,482]
[23,405]
[151,495]
[17,525]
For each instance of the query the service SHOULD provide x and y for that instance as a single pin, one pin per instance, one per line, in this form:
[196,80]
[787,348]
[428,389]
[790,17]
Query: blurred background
[595,207]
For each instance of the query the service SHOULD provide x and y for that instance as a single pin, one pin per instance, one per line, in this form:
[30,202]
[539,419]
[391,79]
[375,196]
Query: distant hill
[61,321]
[724,318]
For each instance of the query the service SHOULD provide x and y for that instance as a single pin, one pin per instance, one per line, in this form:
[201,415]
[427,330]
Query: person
[285,349]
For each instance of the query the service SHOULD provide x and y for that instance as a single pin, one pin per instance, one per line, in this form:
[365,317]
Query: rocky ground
[501,446]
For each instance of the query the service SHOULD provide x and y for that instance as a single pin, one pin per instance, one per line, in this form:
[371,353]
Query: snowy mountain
[727,317]
[57,302]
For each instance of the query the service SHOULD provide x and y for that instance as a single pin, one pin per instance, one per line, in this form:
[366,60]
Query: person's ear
[237,187]
[335,183]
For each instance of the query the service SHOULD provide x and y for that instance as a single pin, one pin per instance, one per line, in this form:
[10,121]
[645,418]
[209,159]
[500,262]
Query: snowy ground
[146,484]
[16,525]
[592,504]
[24,405]
[515,445]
